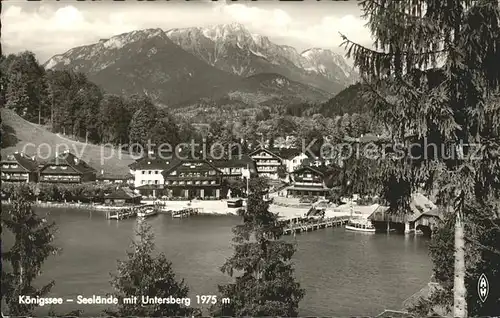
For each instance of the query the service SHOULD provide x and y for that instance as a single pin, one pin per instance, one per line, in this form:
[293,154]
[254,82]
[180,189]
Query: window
[156,181]
[143,172]
[143,182]
[156,172]
[149,172]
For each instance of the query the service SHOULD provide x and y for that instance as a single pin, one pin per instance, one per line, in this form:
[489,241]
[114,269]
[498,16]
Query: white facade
[266,164]
[143,177]
[293,163]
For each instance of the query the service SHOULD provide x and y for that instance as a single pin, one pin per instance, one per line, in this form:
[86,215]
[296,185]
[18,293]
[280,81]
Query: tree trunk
[459,291]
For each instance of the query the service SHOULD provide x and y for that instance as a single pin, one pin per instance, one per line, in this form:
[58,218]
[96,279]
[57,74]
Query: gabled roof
[147,163]
[419,205]
[260,149]
[190,165]
[67,158]
[159,161]
[287,153]
[318,170]
[107,175]
[25,162]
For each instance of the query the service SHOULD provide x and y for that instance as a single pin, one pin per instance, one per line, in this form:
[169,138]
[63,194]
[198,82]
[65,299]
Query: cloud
[50,29]
[47,31]
[278,23]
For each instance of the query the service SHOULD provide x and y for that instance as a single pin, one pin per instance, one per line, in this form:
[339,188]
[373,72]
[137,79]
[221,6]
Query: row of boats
[148,212]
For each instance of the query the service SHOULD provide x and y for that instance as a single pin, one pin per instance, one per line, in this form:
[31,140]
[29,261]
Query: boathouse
[193,178]
[66,168]
[422,213]
[19,167]
[123,196]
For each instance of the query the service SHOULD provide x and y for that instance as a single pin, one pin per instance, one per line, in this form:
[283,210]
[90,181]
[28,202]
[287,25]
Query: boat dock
[128,212]
[299,225]
[121,214]
[184,213]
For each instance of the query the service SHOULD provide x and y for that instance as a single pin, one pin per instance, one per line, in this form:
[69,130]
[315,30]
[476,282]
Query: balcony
[189,178]
[308,184]
[268,163]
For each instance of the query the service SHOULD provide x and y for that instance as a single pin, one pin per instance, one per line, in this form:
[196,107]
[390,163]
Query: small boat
[235,203]
[147,212]
[359,225]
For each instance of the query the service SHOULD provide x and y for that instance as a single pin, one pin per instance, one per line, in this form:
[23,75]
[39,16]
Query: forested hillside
[67,103]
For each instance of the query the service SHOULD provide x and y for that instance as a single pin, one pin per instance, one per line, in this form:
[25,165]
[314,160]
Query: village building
[308,181]
[66,168]
[422,215]
[193,178]
[238,167]
[19,167]
[147,171]
[107,177]
[292,158]
[267,162]
[123,195]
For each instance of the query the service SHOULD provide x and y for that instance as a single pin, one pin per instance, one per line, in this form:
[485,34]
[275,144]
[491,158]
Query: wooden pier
[128,212]
[121,214]
[312,225]
[184,213]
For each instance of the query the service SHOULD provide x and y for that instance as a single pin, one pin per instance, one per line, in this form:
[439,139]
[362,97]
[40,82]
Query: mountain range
[179,66]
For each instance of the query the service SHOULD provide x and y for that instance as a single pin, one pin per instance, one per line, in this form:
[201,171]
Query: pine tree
[114,119]
[265,285]
[17,95]
[453,105]
[144,274]
[142,121]
[33,238]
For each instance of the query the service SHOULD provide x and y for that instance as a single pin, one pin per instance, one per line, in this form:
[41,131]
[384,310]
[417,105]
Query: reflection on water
[344,273]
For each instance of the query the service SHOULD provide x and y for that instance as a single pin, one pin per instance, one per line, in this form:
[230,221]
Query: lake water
[343,273]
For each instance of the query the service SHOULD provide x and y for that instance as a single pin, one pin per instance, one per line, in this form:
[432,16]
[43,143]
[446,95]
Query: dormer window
[64,167]
[53,167]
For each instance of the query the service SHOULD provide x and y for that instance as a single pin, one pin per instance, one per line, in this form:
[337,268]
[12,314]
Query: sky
[53,27]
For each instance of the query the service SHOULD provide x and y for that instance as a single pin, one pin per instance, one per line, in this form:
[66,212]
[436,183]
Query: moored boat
[146,213]
[360,225]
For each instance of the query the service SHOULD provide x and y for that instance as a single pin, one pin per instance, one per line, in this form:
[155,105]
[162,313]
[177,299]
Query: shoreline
[166,209]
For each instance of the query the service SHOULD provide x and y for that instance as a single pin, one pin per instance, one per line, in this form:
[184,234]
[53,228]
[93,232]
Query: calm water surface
[343,273]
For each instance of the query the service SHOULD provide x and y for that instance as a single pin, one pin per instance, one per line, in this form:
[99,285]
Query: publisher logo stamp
[483,287]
